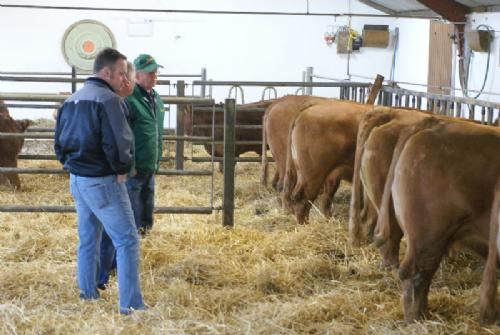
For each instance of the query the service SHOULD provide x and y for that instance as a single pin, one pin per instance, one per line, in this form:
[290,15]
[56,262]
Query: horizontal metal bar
[50,136]
[53,157]
[237,126]
[235,142]
[57,80]
[42,79]
[37,157]
[86,73]
[83,73]
[167,99]
[32,170]
[163,172]
[219,109]
[179,75]
[279,83]
[184,210]
[35,106]
[236,159]
[186,138]
[71,209]
[44,136]
[51,130]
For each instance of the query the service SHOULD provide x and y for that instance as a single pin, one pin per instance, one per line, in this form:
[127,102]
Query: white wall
[231,47]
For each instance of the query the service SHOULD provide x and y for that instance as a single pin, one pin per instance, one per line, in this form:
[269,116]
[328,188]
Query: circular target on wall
[83,40]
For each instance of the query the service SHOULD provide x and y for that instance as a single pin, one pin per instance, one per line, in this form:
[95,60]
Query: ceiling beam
[449,9]
[378,7]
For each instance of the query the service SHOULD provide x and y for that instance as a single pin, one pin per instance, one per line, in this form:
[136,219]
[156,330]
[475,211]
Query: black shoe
[101,286]
[144,231]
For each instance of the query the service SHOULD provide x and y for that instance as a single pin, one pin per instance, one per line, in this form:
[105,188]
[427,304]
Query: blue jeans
[108,260]
[141,190]
[102,201]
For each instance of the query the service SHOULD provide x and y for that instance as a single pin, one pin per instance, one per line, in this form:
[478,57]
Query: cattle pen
[389,95]
[265,276]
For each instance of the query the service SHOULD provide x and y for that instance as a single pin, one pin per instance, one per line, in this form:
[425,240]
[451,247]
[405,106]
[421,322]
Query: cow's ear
[23,124]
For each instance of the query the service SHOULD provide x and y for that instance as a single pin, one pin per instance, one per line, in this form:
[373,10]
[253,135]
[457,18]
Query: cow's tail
[369,121]
[290,178]
[488,310]
[383,227]
[264,166]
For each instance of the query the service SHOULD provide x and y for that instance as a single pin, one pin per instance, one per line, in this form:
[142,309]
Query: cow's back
[443,191]
[322,142]
[451,170]
[379,130]
[277,120]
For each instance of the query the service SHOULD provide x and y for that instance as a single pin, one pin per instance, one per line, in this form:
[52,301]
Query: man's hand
[121,178]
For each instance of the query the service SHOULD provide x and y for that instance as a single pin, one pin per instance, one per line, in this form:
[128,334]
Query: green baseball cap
[145,63]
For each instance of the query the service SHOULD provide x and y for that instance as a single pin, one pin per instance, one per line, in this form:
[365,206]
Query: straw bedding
[265,276]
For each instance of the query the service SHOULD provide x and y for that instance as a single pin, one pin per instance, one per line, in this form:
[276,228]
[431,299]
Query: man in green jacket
[146,120]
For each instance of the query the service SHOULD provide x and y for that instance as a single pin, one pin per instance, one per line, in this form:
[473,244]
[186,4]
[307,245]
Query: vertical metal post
[229,163]
[204,78]
[309,79]
[490,115]
[73,76]
[179,144]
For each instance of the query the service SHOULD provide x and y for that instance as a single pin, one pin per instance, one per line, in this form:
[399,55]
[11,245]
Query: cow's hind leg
[301,210]
[12,178]
[389,249]
[416,272]
[326,198]
[332,184]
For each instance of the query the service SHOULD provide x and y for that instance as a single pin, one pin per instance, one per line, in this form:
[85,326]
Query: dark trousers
[141,191]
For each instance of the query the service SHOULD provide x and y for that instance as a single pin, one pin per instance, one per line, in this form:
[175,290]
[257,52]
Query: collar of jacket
[98,81]
[149,96]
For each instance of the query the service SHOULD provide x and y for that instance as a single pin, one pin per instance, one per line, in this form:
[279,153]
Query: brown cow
[379,130]
[10,148]
[489,309]
[442,181]
[203,119]
[321,147]
[275,125]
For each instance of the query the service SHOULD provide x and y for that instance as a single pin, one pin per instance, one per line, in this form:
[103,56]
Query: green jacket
[147,127]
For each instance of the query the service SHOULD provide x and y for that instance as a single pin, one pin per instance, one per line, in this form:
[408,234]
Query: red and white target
[83,40]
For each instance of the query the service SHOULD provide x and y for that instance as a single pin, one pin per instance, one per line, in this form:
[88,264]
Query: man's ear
[106,72]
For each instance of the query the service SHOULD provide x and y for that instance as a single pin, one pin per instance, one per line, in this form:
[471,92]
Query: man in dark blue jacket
[94,143]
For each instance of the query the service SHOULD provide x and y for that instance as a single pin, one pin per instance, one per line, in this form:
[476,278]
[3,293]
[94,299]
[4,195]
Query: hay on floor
[265,276]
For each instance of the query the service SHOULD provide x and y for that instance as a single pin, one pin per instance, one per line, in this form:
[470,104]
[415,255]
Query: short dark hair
[107,57]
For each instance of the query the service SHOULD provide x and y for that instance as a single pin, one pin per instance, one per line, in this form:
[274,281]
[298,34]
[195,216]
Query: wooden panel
[440,57]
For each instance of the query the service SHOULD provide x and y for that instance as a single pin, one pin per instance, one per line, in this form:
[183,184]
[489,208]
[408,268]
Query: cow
[10,147]
[321,147]
[204,121]
[275,124]
[379,130]
[441,180]
[488,307]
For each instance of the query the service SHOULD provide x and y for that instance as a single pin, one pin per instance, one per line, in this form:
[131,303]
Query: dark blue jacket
[92,136]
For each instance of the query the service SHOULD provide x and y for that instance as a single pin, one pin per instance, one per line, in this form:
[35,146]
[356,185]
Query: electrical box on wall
[479,40]
[375,36]
[344,44]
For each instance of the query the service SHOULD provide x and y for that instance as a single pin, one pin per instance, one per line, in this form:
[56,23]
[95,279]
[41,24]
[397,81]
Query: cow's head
[23,124]
[3,109]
